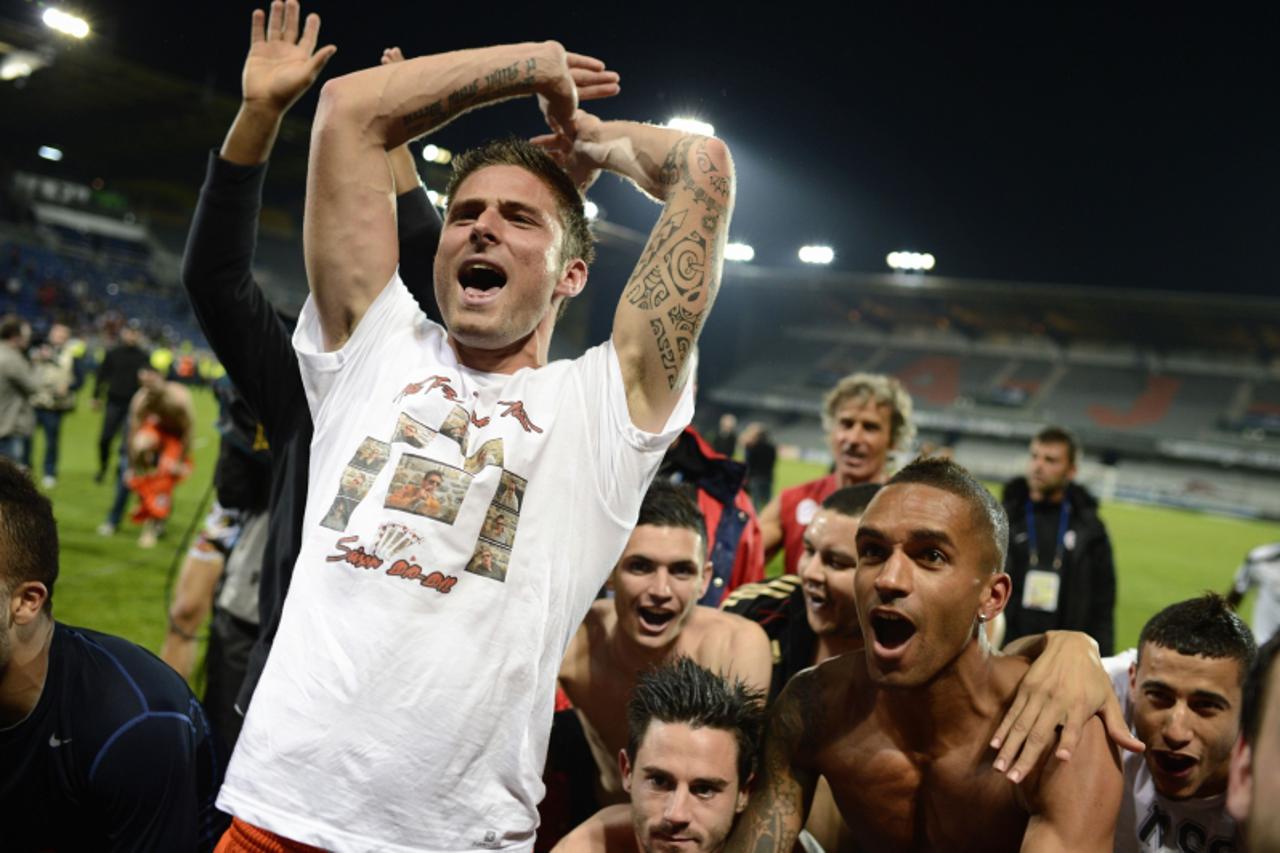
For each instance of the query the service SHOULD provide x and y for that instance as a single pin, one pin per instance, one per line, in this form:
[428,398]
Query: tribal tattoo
[679,262]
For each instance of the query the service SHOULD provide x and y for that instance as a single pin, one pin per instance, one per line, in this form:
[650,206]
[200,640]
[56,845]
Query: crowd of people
[464,597]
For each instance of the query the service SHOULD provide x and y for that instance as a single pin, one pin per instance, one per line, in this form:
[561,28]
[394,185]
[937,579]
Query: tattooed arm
[349,232]
[666,300]
[784,786]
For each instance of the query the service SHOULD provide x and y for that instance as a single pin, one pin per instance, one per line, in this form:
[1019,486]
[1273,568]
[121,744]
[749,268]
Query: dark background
[1124,146]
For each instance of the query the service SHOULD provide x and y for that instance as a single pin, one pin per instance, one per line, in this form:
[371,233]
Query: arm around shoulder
[607,831]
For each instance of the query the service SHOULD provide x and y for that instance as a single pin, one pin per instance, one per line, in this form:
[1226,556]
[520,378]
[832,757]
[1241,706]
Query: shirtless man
[1253,786]
[688,764]
[161,420]
[653,618]
[902,732]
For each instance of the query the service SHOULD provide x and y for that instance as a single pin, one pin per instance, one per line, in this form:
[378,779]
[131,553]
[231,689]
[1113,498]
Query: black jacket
[256,348]
[1087,591]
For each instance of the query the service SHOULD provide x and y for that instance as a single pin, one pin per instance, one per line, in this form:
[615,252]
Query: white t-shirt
[1150,821]
[1262,569]
[458,526]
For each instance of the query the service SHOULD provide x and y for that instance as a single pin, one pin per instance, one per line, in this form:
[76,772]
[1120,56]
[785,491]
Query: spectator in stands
[102,746]
[866,415]
[652,618]
[734,548]
[54,365]
[725,439]
[761,455]
[1261,569]
[17,386]
[117,382]
[1181,690]
[1253,788]
[691,750]
[1059,552]
[243,329]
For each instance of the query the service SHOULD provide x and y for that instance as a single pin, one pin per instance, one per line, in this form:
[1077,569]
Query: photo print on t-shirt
[371,455]
[490,453]
[339,513]
[499,525]
[428,488]
[489,560]
[455,427]
[511,491]
[355,483]
[412,432]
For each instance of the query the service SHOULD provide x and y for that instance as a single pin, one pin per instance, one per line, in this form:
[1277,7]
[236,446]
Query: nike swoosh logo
[55,743]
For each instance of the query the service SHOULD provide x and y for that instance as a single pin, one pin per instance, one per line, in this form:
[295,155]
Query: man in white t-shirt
[408,697]
[1181,689]
[1261,569]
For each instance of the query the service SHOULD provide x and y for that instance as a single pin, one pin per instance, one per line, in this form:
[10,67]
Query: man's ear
[708,570]
[744,794]
[624,770]
[1240,781]
[27,601]
[996,595]
[572,279]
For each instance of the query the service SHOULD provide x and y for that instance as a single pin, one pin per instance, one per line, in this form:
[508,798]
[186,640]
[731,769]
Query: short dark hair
[28,533]
[1203,627]
[684,692]
[11,327]
[1060,435]
[668,504]
[944,474]
[851,500]
[1256,684]
[578,241]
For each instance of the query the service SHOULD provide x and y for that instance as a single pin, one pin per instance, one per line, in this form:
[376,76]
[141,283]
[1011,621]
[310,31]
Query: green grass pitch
[108,584]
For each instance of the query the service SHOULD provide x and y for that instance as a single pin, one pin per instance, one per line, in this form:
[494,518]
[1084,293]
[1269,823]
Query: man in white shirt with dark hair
[1181,690]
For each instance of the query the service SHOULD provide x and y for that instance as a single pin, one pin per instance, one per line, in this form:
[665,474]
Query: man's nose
[893,580]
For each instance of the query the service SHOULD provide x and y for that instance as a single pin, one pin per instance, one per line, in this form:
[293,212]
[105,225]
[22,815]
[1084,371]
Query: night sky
[1134,148]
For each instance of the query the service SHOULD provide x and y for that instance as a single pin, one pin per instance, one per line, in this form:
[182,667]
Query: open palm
[281,65]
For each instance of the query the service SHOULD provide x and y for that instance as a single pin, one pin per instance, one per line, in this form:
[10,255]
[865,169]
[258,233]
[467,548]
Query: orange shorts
[243,837]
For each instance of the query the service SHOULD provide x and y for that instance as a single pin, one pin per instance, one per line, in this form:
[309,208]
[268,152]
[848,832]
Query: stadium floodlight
[910,261]
[739,252]
[439,200]
[18,64]
[591,209]
[817,254]
[691,125]
[436,154]
[48,152]
[65,23]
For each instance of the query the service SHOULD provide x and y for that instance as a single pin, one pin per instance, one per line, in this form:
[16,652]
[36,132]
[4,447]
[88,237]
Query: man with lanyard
[1059,552]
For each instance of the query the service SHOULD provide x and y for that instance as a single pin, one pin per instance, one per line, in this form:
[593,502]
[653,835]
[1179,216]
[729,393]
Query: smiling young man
[902,731]
[1182,690]
[653,618]
[407,701]
[688,763]
[866,415]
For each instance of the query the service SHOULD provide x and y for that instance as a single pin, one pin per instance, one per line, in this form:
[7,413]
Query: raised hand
[581,78]
[282,65]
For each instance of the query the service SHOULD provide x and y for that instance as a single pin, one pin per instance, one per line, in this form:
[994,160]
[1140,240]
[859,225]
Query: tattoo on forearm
[680,261]
[496,84]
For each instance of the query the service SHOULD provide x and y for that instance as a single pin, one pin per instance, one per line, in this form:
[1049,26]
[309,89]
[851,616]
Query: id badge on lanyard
[1042,587]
